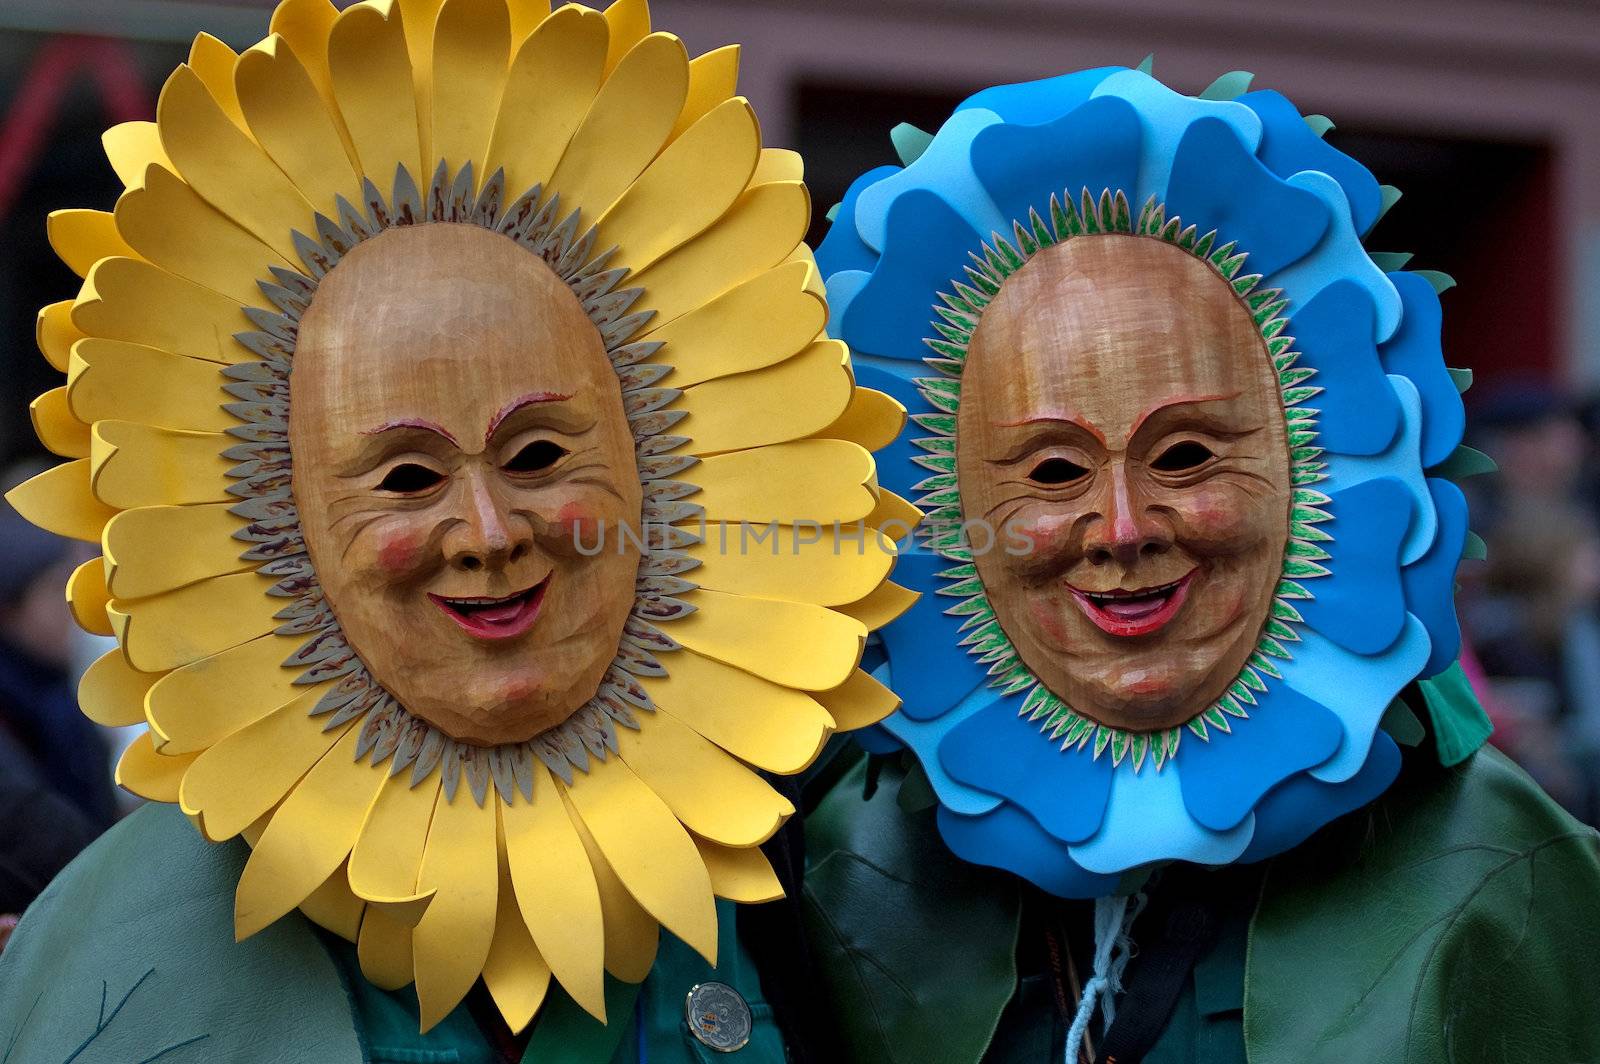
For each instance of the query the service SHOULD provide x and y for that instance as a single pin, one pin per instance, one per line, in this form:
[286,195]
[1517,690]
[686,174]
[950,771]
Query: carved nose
[1127,531]
[488,537]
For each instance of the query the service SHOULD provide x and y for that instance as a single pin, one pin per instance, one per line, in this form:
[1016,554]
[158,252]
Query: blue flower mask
[1307,572]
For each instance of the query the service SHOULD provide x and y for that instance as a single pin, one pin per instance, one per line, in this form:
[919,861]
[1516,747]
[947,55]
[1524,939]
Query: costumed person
[1181,694]
[420,386]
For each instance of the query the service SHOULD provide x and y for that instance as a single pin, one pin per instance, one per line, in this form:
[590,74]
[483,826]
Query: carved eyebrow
[1169,404]
[517,404]
[410,423]
[1055,418]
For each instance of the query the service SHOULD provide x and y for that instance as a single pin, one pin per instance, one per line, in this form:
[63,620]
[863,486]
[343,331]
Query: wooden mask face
[1120,418]
[457,432]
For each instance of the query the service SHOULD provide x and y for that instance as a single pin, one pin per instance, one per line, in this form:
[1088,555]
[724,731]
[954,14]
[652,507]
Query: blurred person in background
[55,783]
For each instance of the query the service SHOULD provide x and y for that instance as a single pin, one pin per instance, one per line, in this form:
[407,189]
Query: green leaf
[1389,261]
[909,142]
[1462,379]
[1402,724]
[1442,282]
[1147,65]
[1320,124]
[833,212]
[1464,462]
[1229,86]
[1388,197]
[1475,549]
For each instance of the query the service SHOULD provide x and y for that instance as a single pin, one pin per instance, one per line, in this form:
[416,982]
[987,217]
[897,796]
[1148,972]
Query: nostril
[472,563]
[519,552]
[1151,549]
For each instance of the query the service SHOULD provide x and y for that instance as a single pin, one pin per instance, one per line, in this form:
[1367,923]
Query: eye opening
[410,478]
[1056,470]
[1182,457]
[537,456]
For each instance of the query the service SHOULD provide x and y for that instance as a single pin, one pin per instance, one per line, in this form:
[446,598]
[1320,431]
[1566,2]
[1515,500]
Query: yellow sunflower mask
[421,391]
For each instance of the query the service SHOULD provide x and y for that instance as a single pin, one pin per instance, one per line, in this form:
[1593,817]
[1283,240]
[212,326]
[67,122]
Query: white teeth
[1118,593]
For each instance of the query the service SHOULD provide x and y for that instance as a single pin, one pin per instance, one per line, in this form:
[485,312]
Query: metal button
[718,1017]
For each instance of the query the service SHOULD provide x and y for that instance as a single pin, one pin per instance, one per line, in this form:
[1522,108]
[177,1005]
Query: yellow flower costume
[637,175]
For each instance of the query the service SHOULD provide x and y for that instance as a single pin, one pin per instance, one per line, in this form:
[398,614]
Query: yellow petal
[141,559]
[881,606]
[452,939]
[169,631]
[631,934]
[150,775]
[805,480]
[60,500]
[112,692]
[140,465]
[626,126]
[713,78]
[212,61]
[515,973]
[772,727]
[167,223]
[131,147]
[649,851]
[739,874]
[387,859]
[372,82]
[762,321]
[761,636]
[872,420]
[56,427]
[712,794]
[552,82]
[556,891]
[204,702]
[858,702]
[800,564]
[778,164]
[226,167]
[471,49]
[56,334]
[82,238]
[762,227]
[110,380]
[287,116]
[384,949]
[125,299]
[894,516]
[627,22]
[333,908]
[308,839]
[787,401]
[234,783]
[814,282]
[419,19]
[526,15]
[87,597]
[688,186]
[307,26]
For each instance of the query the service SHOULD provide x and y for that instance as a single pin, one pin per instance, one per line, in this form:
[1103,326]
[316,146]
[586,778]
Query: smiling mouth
[495,618]
[1133,613]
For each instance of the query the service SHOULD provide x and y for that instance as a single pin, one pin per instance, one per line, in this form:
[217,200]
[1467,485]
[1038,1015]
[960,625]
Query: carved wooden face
[1120,416]
[457,431]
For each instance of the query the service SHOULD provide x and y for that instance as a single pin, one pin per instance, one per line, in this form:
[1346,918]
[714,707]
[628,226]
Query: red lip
[1133,613]
[487,617]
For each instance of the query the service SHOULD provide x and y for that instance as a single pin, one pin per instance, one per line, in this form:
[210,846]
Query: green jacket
[1456,919]
[128,958]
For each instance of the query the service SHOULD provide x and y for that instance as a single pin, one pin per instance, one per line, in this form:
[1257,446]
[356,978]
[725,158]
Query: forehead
[1104,327]
[442,321]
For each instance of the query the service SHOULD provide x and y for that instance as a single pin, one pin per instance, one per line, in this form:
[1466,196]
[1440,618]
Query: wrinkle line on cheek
[355,535]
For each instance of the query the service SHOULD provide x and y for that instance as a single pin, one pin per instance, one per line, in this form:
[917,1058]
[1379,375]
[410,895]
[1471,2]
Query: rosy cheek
[399,554]
[577,522]
[1037,541]
[1217,522]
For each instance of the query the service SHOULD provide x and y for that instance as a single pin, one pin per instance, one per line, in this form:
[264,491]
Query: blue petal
[1288,146]
[1146,821]
[1094,147]
[1340,254]
[931,672]
[1400,462]
[1165,115]
[843,248]
[928,246]
[1000,752]
[1225,777]
[1430,582]
[1007,839]
[1361,606]
[1301,805]
[1415,352]
[1360,412]
[875,740]
[843,287]
[1030,103]
[946,167]
[1217,184]
[1356,687]
[896,470]
[924,737]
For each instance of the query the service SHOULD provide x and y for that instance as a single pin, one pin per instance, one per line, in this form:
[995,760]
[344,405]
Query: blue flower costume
[1364,605]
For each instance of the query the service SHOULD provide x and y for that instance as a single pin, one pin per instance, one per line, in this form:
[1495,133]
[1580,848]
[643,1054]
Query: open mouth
[1130,613]
[495,618]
